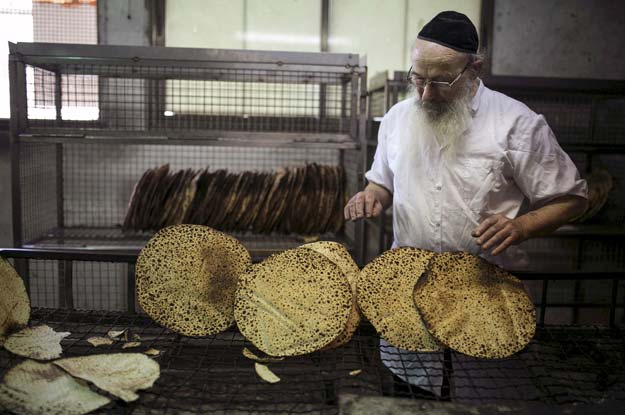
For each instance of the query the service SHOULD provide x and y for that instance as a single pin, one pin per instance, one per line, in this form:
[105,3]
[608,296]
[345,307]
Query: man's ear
[476,67]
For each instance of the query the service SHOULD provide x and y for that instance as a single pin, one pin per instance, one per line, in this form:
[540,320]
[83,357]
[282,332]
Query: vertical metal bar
[381,233]
[407,24]
[394,93]
[322,101]
[244,28]
[613,302]
[16,194]
[576,300]
[60,211]
[149,110]
[577,290]
[387,97]
[353,112]
[102,17]
[359,117]
[543,302]
[17,79]
[343,106]
[325,24]
[58,98]
[593,116]
[447,383]
[487,23]
[23,270]
[130,288]
[66,295]
[157,22]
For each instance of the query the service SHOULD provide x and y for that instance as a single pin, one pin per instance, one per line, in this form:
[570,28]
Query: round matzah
[292,303]
[475,307]
[14,302]
[186,278]
[338,254]
[385,287]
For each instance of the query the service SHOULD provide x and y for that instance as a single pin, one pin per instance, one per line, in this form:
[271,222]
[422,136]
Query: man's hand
[500,232]
[363,204]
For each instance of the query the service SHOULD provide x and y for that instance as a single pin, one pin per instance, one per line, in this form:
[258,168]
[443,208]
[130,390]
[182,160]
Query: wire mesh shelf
[561,365]
[118,91]
[89,120]
[260,246]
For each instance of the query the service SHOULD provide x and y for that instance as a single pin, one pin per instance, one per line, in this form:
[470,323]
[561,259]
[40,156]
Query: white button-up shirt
[508,158]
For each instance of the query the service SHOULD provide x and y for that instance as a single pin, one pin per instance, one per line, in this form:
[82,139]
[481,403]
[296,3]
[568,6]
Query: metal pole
[66,295]
[130,295]
[17,82]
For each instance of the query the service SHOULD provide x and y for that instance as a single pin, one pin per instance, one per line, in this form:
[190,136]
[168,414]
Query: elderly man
[465,168]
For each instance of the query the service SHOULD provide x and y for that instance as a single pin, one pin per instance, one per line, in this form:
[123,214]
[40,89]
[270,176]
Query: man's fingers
[377,209]
[359,206]
[347,210]
[499,236]
[487,234]
[487,223]
[369,203]
[503,246]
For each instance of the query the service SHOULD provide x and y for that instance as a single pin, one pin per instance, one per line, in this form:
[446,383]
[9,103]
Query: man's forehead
[435,56]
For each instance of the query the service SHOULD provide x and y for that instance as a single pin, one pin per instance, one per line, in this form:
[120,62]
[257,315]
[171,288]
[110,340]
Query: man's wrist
[523,225]
[382,195]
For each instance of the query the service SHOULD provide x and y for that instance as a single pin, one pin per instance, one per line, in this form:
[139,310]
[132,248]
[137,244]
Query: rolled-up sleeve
[541,169]
[380,172]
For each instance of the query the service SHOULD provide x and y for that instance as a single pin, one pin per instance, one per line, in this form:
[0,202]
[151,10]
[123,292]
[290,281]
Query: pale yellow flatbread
[293,303]
[187,276]
[385,288]
[475,307]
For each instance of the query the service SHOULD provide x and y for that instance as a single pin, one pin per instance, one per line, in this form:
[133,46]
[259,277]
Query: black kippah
[451,29]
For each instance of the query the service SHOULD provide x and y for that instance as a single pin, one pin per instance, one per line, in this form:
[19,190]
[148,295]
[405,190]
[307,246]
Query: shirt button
[438,225]
[439,187]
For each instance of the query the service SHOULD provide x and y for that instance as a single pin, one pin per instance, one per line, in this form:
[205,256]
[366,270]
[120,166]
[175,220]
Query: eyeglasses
[423,82]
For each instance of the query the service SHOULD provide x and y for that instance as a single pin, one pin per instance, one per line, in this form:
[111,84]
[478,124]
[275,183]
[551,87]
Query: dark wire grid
[562,365]
[162,100]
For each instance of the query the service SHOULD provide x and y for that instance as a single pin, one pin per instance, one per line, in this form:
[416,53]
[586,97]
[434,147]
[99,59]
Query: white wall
[244,24]
[192,23]
[384,30]
[381,29]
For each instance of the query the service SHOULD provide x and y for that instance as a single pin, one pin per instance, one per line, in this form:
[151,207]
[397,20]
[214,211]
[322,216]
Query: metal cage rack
[562,365]
[87,121]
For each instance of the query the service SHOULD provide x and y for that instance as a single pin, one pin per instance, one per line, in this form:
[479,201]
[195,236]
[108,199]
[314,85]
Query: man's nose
[428,92]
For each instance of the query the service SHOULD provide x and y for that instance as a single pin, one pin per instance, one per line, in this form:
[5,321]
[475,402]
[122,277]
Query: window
[54,21]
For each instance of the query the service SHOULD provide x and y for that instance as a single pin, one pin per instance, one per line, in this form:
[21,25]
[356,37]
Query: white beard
[444,123]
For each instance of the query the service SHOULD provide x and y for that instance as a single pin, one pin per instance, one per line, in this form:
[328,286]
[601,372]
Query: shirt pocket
[477,178]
